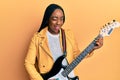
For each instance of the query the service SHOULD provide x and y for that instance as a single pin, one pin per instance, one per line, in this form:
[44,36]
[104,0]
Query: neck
[53,32]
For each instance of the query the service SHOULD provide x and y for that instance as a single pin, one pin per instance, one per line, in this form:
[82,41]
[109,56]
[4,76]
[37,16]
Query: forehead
[57,12]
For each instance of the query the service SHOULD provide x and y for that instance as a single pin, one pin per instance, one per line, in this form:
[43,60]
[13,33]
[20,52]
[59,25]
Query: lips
[57,27]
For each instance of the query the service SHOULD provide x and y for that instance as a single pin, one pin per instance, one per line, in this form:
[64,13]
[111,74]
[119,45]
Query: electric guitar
[60,72]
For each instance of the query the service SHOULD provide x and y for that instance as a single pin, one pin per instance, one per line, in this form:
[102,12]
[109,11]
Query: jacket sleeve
[30,60]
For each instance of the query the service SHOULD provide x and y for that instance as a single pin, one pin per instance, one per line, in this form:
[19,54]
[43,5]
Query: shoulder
[34,36]
[40,34]
[69,32]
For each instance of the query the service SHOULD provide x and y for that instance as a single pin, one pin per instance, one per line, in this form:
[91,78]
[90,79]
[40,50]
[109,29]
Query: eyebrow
[57,17]
[54,17]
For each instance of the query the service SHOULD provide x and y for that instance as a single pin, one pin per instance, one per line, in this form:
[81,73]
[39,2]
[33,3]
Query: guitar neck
[79,58]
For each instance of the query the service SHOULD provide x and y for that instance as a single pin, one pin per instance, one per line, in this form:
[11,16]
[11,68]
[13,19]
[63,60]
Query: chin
[57,31]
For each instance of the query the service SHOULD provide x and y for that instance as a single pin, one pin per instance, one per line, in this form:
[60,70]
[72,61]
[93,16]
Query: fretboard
[80,57]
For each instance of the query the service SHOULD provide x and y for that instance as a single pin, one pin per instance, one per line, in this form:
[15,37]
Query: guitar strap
[64,44]
[63,41]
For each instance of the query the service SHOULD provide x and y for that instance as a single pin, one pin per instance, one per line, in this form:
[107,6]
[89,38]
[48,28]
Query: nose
[59,21]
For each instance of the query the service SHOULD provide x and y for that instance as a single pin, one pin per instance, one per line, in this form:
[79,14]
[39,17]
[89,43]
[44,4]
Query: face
[56,21]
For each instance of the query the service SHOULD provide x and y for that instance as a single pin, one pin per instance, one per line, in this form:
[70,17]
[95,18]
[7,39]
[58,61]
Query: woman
[47,45]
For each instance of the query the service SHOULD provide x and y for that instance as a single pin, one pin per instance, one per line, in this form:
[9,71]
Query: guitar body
[55,72]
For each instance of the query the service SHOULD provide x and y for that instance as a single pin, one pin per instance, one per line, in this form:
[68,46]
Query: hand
[99,43]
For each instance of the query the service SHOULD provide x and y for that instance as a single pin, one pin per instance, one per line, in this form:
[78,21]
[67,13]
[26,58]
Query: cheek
[62,23]
[51,23]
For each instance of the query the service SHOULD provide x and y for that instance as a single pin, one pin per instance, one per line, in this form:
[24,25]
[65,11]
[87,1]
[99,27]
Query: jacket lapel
[43,42]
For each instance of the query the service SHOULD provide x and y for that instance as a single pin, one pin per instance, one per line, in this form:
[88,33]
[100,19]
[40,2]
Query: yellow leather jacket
[39,48]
